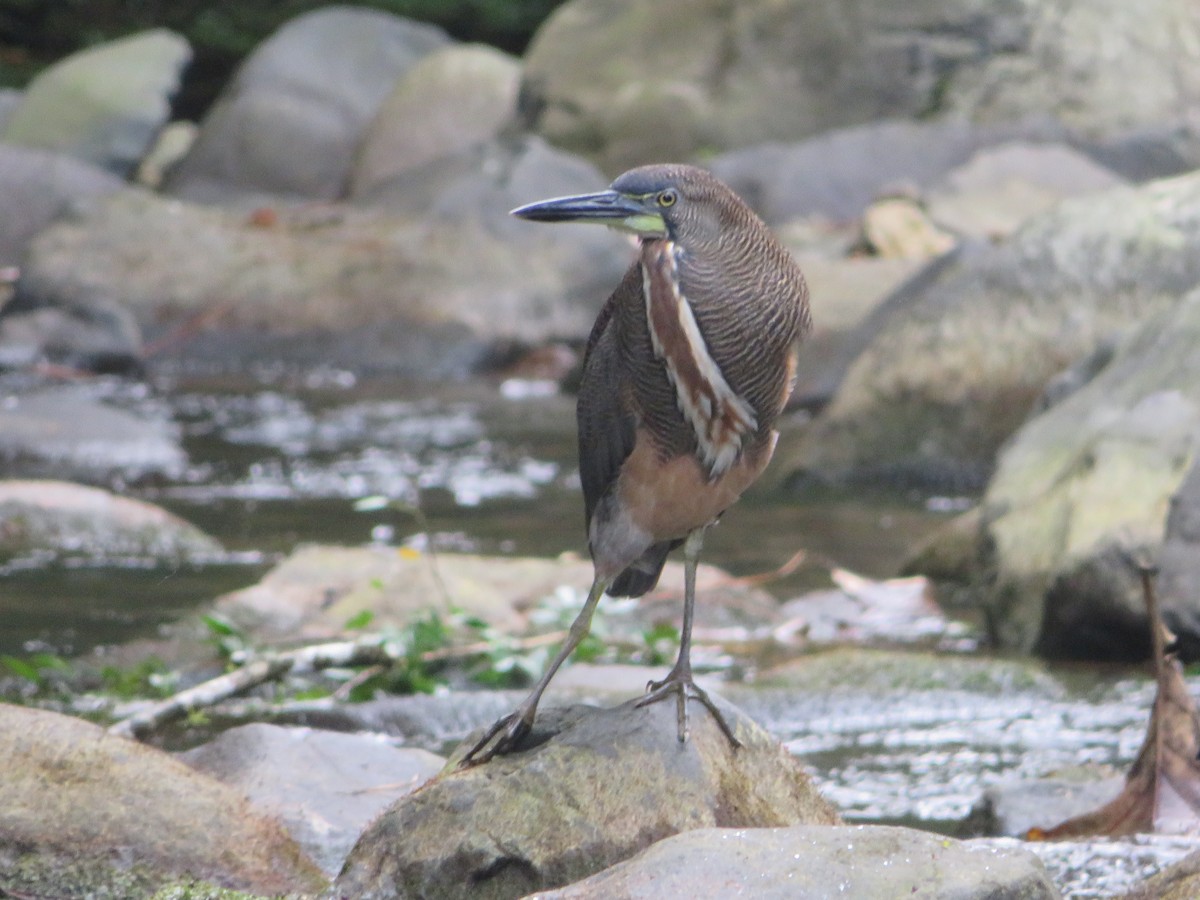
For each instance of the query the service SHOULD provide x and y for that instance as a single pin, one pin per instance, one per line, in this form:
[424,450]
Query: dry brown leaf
[1162,789]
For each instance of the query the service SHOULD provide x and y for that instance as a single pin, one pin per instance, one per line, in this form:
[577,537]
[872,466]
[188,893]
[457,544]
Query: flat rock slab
[324,787]
[313,592]
[865,862]
[594,787]
[88,814]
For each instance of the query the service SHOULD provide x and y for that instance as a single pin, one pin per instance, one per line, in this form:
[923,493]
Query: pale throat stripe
[720,418]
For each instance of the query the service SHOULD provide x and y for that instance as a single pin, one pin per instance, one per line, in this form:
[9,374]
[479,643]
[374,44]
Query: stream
[489,467]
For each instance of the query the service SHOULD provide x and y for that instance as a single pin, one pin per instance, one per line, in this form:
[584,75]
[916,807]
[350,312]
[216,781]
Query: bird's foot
[503,737]
[679,682]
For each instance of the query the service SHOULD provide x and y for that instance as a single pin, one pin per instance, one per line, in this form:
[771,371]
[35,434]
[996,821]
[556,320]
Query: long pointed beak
[607,207]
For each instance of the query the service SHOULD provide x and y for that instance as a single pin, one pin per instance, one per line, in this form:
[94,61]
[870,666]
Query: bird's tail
[643,573]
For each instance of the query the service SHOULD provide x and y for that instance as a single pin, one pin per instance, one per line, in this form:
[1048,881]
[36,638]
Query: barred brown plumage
[686,371]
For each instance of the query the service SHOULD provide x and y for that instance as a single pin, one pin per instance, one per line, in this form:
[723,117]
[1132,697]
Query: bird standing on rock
[687,368]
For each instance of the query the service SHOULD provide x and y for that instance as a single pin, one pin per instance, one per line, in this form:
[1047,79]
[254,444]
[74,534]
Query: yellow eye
[667,198]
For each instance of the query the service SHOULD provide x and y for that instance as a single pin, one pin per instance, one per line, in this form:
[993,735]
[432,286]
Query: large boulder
[607,78]
[1104,67]
[591,787]
[956,359]
[1179,562]
[290,119]
[38,186]
[103,105]
[433,293]
[1080,498]
[453,99]
[870,862]
[88,814]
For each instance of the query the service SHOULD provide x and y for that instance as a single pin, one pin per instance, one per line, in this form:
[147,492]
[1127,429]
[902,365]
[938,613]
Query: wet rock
[1179,564]
[1082,493]
[38,186]
[418,294]
[86,814]
[103,105]
[867,862]
[452,99]
[593,788]
[957,358]
[604,79]
[991,194]
[70,429]
[288,122]
[317,589]
[323,787]
[58,520]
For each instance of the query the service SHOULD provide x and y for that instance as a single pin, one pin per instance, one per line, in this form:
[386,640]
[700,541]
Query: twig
[374,651]
[367,651]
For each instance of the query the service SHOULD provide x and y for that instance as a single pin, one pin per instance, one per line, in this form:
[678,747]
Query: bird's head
[660,201]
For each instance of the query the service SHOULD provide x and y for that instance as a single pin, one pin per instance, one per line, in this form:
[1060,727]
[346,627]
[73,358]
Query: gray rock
[87,814]
[955,360]
[592,788]
[57,519]
[38,186]
[323,787]
[1179,564]
[451,100]
[1081,494]
[866,862]
[839,173]
[605,79]
[1102,68]
[69,428]
[1000,187]
[103,105]
[435,293]
[290,120]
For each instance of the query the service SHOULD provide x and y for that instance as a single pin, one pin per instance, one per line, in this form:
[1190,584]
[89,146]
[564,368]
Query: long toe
[684,688]
[503,737]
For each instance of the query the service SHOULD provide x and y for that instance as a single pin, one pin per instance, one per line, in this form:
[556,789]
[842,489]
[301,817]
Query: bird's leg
[679,680]
[506,734]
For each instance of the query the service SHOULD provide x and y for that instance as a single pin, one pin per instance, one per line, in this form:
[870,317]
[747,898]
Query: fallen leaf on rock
[1162,789]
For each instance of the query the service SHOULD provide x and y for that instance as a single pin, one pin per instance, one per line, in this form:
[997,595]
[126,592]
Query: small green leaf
[21,668]
[360,620]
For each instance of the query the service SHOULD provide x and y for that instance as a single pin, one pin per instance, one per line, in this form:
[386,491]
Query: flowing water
[489,467]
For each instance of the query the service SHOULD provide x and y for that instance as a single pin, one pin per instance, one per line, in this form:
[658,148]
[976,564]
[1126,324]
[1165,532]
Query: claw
[503,737]
[684,688]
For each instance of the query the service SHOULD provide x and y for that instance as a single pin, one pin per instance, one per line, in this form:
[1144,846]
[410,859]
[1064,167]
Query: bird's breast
[721,419]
